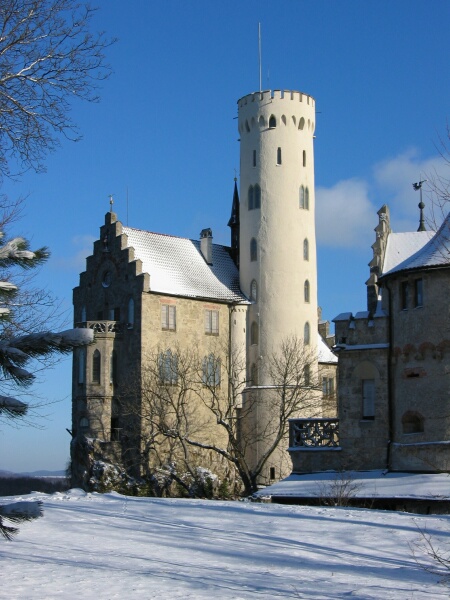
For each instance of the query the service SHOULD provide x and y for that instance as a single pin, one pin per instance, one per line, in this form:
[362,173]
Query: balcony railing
[313,433]
[103,326]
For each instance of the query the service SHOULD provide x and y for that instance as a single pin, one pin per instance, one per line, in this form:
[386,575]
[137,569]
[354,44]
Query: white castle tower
[277,259]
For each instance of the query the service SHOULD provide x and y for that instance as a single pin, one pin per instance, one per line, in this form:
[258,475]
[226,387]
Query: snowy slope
[109,546]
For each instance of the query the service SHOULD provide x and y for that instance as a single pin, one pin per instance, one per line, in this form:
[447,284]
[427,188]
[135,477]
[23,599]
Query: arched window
[130,313]
[253,250]
[304,158]
[84,424]
[83,314]
[307,334]
[251,199]
[254,333]
[272,122]
[412,422]
[301,123]
[254,291]
[305,249]
[254,374]
[279,156]
[113,368]
[96,367]
[211,371]
[247,126]
[306,198]
[302,197]
[262,122]
[168,367]
[257,196]
[81,364]
[306,290]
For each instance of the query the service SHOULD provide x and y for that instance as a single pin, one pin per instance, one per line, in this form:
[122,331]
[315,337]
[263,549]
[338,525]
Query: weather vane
[418,186]
[111,202]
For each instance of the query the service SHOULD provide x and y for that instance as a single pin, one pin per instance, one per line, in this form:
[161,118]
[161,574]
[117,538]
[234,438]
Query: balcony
[313,434]
[103,327]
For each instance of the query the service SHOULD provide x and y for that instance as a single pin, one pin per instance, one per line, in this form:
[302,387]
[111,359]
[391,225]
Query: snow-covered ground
[95,546]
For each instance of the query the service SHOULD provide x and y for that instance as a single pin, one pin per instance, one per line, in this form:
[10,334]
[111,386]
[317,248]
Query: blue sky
[165,135]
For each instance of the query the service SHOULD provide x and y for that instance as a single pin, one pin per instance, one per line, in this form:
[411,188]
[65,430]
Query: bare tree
[205,403]
[48,58]
[438,184]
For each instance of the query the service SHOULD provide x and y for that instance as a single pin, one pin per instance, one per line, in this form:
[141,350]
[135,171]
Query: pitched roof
[418,250]
[324,352]
[176,266]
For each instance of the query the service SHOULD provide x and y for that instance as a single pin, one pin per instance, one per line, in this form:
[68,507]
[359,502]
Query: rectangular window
[418,292]
[328,386]
[254,158]
[168,317]
[404,295]
[212,322]
[368,399]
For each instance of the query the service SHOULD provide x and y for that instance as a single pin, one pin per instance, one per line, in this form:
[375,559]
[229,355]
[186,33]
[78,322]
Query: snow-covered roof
[422,249]
[324,352]
[177,267]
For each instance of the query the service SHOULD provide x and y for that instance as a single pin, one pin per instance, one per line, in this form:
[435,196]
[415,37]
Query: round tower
[277,262]
[278,268]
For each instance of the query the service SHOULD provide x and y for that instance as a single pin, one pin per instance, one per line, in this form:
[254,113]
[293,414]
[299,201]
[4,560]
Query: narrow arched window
[254,374]
[305,249]
[301,123]
[251,199]
[83,314]
[247,126]
[302,197]
[306,198]
[307,375]
[254,334]
[81,364]
[254,291]
[253,250]
[272,122]
[130,313]
[257,196]
[113,368]
[307,334]
[84,424]
[304,158]
[254,158]
[96,367]
[306,290]
[279,156]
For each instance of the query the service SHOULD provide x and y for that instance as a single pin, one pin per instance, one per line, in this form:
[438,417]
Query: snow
[368,484]
[95,546]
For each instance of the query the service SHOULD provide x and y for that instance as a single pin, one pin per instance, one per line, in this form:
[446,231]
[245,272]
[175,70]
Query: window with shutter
[168,317]
[212,322]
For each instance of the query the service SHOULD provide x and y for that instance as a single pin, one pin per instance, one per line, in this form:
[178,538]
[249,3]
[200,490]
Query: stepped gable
[407,251]
[176,266]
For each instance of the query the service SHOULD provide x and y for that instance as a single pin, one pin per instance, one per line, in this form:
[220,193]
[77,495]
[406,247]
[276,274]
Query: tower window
[307,375]
[130,313]
[307,334]
[257,196]
[254,158]
[305,249]
[302,197]
[251,198]
[254,374]
[279,156]
[81,364]
[254,291]
[272,122]
[306,199]
[301,124]
[304,158]
[254,334]
[113,368]
[418,292]
[168,317]
[404,295]
[96,367]
[253,250]
[306,291]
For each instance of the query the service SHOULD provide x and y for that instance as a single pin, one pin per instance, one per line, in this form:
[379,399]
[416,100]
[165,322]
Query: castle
[155,301]
[145,293]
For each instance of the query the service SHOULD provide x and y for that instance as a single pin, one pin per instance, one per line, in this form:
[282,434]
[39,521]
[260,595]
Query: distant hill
[43,473]
[37,481]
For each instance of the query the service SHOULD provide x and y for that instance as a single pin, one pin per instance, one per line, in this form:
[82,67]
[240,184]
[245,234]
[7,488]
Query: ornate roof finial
[111,202]
[418,186]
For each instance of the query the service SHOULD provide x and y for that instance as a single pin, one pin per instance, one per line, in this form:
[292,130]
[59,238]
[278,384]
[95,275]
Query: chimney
[206,245]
